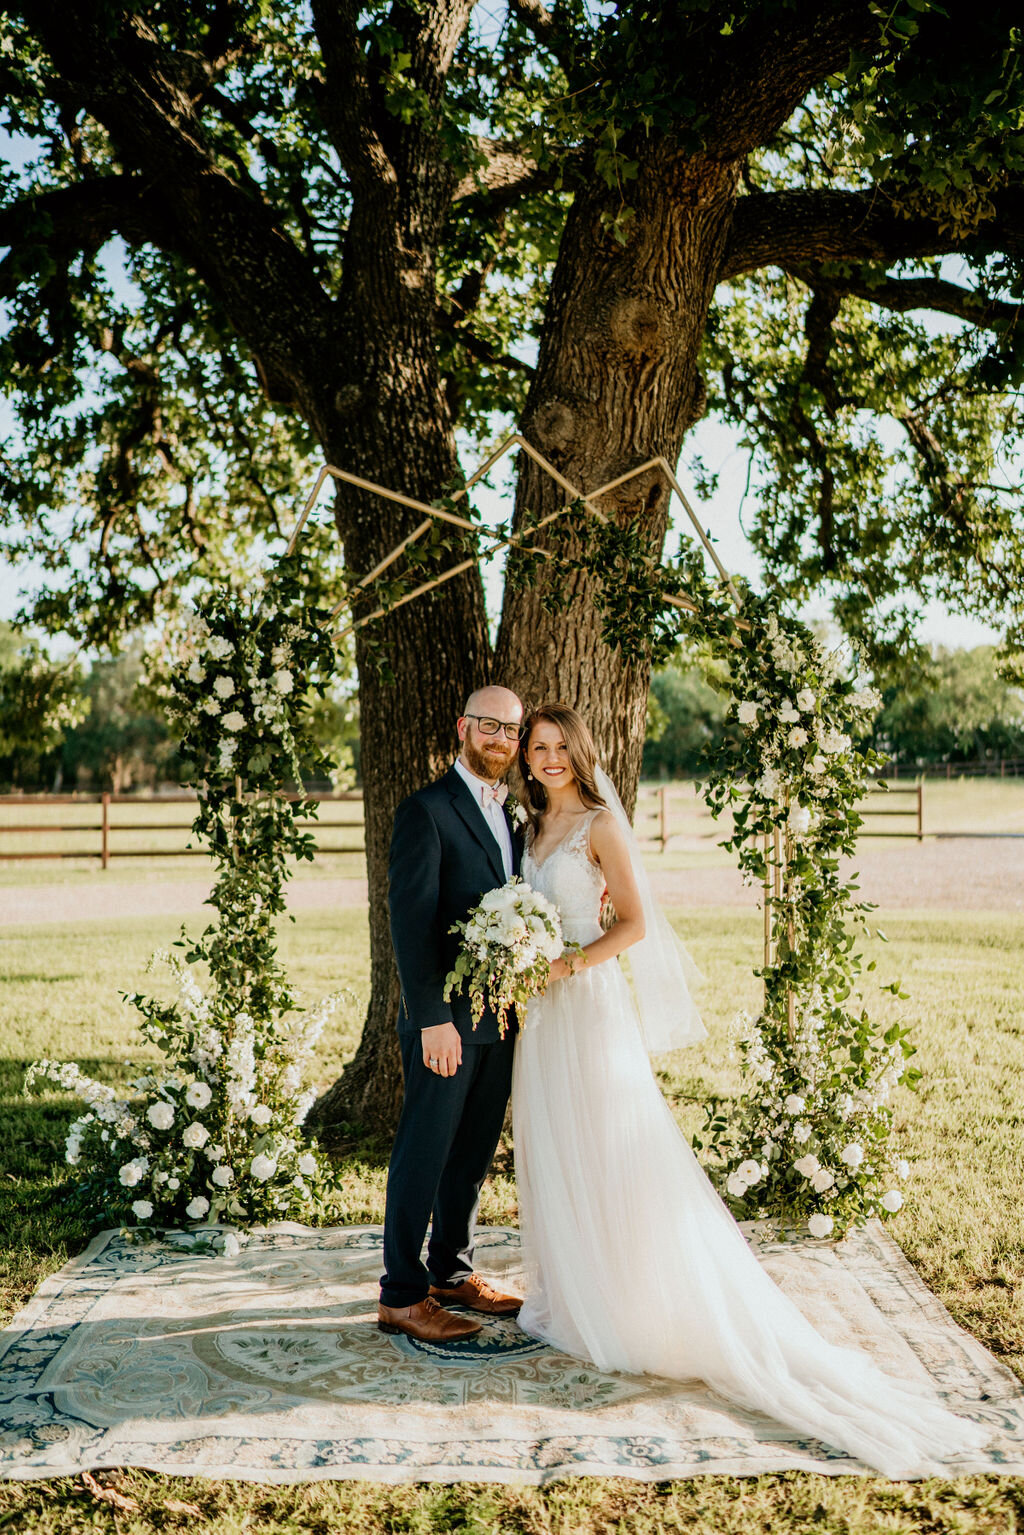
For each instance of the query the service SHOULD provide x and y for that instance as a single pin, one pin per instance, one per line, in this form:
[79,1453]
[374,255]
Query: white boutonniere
[516,810]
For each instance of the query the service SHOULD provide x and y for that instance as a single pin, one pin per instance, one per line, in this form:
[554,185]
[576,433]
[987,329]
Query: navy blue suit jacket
[444,857]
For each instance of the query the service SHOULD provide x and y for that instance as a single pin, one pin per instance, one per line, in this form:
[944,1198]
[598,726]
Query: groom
[452,842]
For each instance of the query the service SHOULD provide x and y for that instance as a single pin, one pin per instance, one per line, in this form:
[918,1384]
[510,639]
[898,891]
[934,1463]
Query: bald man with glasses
[452,842]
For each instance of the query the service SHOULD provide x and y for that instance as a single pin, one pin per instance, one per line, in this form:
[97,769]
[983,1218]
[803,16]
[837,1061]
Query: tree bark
[617,383]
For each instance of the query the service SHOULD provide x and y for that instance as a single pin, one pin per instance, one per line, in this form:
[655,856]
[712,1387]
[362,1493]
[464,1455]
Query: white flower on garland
[822,1180]
[160,1115]
[805,700]
[233,721]
[834,741]
[197,1208]
[198,1095]
[820,1225]
[801,1132]
[219,648]
[263,1167]
[284,681]
[795,1104]
[788,715]
[195,672]
[852,1154]
[892,1201]
[132,1173]
[222,1175]
[211,706]
[230,1245]
[746,713]
[216,1153]
[901,1167]
[307,1164]
[808,1165]
[195,1136]
[261,1114]
[817,765]
[797,737]
[223,687]
[799,820]
[142,1208]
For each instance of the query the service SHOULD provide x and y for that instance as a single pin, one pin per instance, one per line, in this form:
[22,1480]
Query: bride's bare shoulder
[605,835]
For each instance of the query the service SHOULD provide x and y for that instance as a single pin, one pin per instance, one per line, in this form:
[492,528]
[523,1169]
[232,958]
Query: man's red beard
[488,764]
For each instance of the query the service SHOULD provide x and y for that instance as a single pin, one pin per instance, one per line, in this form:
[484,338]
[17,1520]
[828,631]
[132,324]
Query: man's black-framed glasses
[489,727]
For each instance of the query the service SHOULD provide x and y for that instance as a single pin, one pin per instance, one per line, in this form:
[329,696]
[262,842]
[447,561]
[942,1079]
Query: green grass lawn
[963,1226]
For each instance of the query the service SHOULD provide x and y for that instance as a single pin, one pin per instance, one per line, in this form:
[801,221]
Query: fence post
[920,810]
[663,797]
[105,830]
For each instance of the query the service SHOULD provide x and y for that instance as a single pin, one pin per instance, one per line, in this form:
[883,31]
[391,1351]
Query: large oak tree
[354,232]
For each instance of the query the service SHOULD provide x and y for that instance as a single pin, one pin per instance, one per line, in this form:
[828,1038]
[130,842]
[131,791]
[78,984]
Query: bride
[632,1259]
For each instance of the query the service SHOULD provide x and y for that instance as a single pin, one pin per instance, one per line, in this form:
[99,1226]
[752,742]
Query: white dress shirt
[492,812]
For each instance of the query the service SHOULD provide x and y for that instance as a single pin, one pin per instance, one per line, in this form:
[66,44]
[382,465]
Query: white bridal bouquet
[511,939]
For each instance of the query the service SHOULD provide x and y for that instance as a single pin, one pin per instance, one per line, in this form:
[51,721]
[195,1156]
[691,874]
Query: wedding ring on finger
[432,1061]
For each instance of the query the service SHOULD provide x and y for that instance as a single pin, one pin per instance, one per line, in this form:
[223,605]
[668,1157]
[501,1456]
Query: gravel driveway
[966,874]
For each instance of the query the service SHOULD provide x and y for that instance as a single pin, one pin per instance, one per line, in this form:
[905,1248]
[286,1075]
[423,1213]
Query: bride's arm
[608,846]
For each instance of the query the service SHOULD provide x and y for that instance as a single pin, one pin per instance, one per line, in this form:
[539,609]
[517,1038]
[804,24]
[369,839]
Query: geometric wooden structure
[439,514]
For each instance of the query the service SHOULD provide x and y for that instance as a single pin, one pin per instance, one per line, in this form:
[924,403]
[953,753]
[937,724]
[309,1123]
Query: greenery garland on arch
[809,1138]
[213,1137]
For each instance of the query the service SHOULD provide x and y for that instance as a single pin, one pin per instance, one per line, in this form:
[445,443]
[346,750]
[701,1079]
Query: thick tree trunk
[617,383]
[437,651]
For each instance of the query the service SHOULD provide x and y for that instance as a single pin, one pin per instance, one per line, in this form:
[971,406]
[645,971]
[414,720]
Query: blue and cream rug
[269,1367]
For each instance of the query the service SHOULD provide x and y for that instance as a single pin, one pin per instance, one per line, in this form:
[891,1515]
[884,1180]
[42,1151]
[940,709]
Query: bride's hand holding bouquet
[512,949]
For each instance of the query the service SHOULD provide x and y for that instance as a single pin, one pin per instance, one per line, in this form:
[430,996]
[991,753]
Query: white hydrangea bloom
[142,1208]
[197,1208]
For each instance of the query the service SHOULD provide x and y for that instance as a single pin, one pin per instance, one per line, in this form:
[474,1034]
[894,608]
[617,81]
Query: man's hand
[442,1049]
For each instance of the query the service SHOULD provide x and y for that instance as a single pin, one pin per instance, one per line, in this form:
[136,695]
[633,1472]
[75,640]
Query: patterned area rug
[269,1367]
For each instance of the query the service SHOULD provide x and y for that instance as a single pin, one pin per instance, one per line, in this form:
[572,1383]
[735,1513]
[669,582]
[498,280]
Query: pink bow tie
[499,792]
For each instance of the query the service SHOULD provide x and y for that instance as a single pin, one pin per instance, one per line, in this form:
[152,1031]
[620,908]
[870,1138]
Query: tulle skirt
[634,1263]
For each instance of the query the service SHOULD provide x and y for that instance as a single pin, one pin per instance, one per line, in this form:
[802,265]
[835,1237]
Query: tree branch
[800,229]
[347,101]
[505,174]
[59,223]
[906,293]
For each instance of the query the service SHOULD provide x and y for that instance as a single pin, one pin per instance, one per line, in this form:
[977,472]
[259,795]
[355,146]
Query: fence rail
[656,819]
[664,812]
[109,826]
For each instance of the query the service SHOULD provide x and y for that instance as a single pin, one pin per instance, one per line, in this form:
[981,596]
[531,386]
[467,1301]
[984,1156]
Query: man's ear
[462,725]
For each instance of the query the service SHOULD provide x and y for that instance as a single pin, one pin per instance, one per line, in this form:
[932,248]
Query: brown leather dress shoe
[477,1295]
[427,1320]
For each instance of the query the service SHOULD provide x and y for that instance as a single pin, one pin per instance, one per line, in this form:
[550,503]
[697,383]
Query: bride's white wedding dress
[632,1259]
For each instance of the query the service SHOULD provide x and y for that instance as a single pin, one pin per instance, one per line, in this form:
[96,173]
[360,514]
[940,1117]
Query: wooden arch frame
[442,514]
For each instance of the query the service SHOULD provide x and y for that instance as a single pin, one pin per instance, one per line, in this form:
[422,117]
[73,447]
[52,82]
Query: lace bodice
[569,878]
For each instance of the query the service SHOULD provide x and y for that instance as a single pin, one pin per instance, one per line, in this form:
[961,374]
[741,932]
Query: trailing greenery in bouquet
[509,942]
[809,1140]
[214,1135]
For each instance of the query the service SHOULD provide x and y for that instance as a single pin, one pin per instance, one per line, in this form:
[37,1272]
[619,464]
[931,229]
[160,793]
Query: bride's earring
[529,776]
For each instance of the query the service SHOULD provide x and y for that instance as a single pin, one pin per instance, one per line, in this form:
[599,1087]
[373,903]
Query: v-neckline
[560,843]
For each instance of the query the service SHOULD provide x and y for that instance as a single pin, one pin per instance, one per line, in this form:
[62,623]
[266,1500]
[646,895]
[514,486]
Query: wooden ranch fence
[105,833]
[105,826]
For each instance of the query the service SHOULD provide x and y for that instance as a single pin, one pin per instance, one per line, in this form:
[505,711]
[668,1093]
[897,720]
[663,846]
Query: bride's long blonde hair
[582,759]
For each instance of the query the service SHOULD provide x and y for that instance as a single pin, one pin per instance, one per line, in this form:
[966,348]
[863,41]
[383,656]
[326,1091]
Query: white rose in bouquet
[820,1225]
[198,1095]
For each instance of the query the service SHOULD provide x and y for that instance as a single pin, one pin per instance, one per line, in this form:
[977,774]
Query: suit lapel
[472,818]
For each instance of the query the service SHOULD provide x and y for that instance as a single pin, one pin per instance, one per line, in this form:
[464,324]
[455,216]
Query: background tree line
[954,706]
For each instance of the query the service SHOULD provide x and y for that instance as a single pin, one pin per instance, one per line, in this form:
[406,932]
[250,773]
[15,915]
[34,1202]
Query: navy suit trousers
[446,1137]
